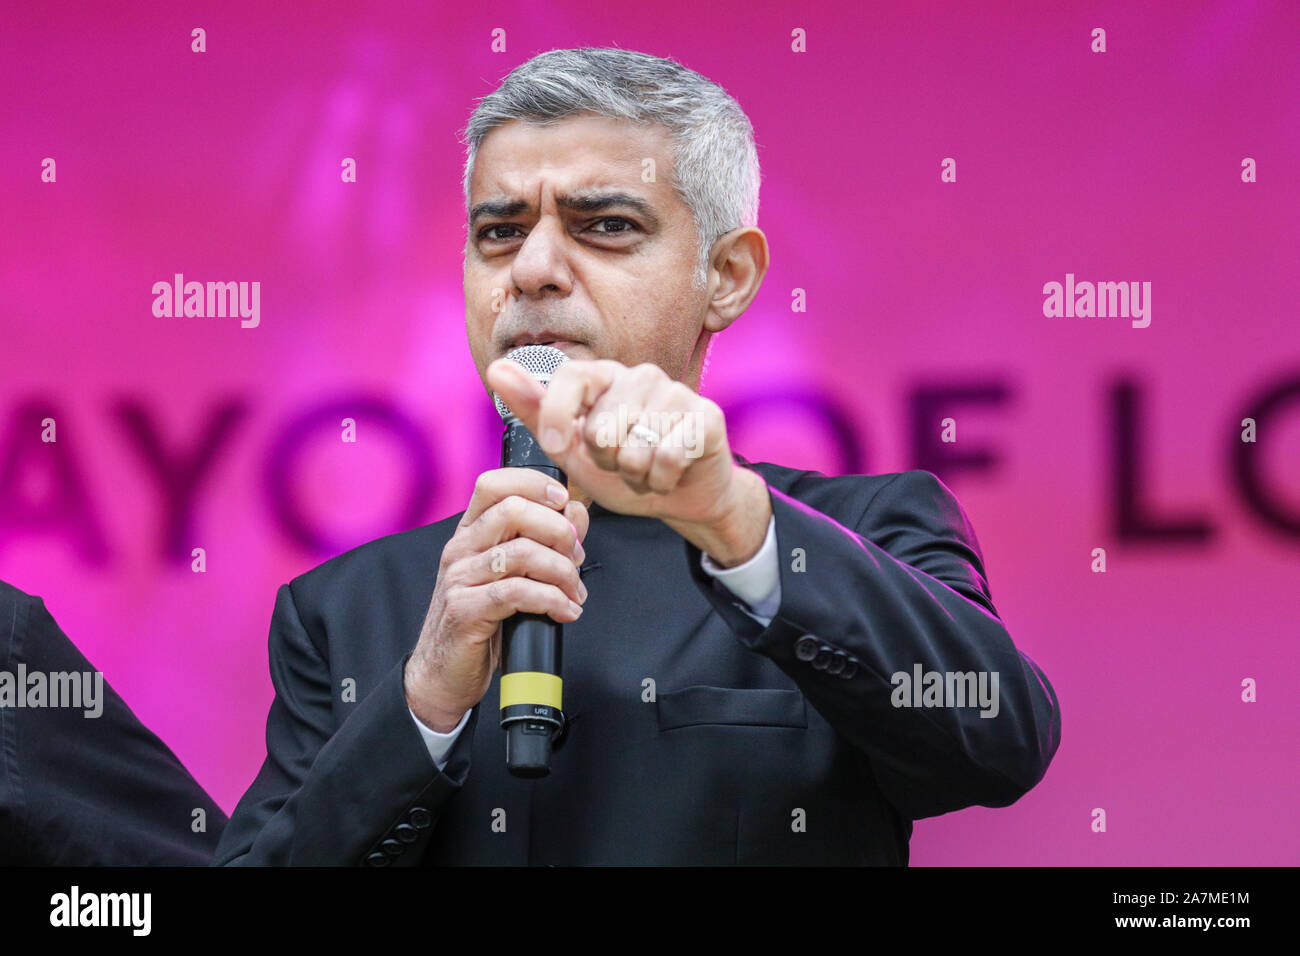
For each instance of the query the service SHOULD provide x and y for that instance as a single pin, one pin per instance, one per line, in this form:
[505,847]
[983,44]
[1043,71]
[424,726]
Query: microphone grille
[540,361]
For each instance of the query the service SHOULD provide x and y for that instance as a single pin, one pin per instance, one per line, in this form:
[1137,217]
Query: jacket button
[806,647]
[406,833]
[377,859]
[392,848]
[420,818]
[850,668]
[837,662]
[823,659]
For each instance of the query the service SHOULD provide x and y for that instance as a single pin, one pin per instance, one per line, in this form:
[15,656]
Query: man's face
[568,245]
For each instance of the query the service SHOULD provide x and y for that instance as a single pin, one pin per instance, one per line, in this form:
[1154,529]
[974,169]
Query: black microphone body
[530,647]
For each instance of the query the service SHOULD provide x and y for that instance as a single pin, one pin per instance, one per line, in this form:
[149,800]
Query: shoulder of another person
[18,611]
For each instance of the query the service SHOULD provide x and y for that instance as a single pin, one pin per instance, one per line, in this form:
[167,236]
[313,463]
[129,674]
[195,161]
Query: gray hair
[715,162]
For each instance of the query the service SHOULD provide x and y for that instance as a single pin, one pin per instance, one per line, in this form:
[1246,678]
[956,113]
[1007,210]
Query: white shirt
[757,582]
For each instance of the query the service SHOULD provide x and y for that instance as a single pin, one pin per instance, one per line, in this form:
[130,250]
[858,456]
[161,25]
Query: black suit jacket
[770,745]
[88,791]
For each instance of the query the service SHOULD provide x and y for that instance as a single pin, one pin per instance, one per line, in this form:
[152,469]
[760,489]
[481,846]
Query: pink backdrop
[1117,166]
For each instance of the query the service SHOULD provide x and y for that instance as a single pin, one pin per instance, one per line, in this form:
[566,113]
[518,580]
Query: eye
[626,222]
[486,232]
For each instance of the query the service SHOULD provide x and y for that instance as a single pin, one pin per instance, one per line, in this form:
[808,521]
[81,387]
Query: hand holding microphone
[516,550]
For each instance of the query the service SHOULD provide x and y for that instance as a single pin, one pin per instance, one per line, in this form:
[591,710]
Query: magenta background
[225,166]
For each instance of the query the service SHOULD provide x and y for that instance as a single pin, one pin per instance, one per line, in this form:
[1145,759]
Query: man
[82,781]
[732,630]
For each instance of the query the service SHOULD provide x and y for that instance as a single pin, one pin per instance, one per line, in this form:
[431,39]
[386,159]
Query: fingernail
[552,440]
[556,495]
[582,591]
[575,608]
[578,553]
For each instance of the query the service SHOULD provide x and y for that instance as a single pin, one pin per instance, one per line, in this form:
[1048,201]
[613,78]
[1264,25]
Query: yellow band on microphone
[530,687]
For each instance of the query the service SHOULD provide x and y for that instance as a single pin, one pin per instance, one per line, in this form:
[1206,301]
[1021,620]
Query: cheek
[479,321]
[479,339]
[664,319]
[477,300]
[482,307]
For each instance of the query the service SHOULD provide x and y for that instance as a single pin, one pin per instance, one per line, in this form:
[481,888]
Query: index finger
[493,486]
[573,389]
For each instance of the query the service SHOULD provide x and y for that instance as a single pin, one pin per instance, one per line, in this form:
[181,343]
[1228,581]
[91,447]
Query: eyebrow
[579,202]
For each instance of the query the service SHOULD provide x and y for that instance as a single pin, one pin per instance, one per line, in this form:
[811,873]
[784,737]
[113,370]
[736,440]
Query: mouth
[566,346]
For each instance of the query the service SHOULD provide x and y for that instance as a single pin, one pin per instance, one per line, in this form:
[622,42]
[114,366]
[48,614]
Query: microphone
[531,712]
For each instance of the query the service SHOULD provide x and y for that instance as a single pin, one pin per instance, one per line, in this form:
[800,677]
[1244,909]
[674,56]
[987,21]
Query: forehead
[520,160]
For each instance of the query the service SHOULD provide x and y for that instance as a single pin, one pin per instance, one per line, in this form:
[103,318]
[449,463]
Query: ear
[740,258]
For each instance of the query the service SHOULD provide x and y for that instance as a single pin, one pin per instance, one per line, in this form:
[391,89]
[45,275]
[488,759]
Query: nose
[539,265]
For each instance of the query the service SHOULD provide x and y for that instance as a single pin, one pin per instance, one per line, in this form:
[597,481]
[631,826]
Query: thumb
[521,392]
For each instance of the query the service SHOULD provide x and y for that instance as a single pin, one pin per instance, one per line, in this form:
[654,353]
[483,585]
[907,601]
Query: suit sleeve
[363,793]
[86,788]
[905,586]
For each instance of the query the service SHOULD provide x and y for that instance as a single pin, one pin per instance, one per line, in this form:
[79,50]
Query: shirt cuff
[438,745]
[757,582]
